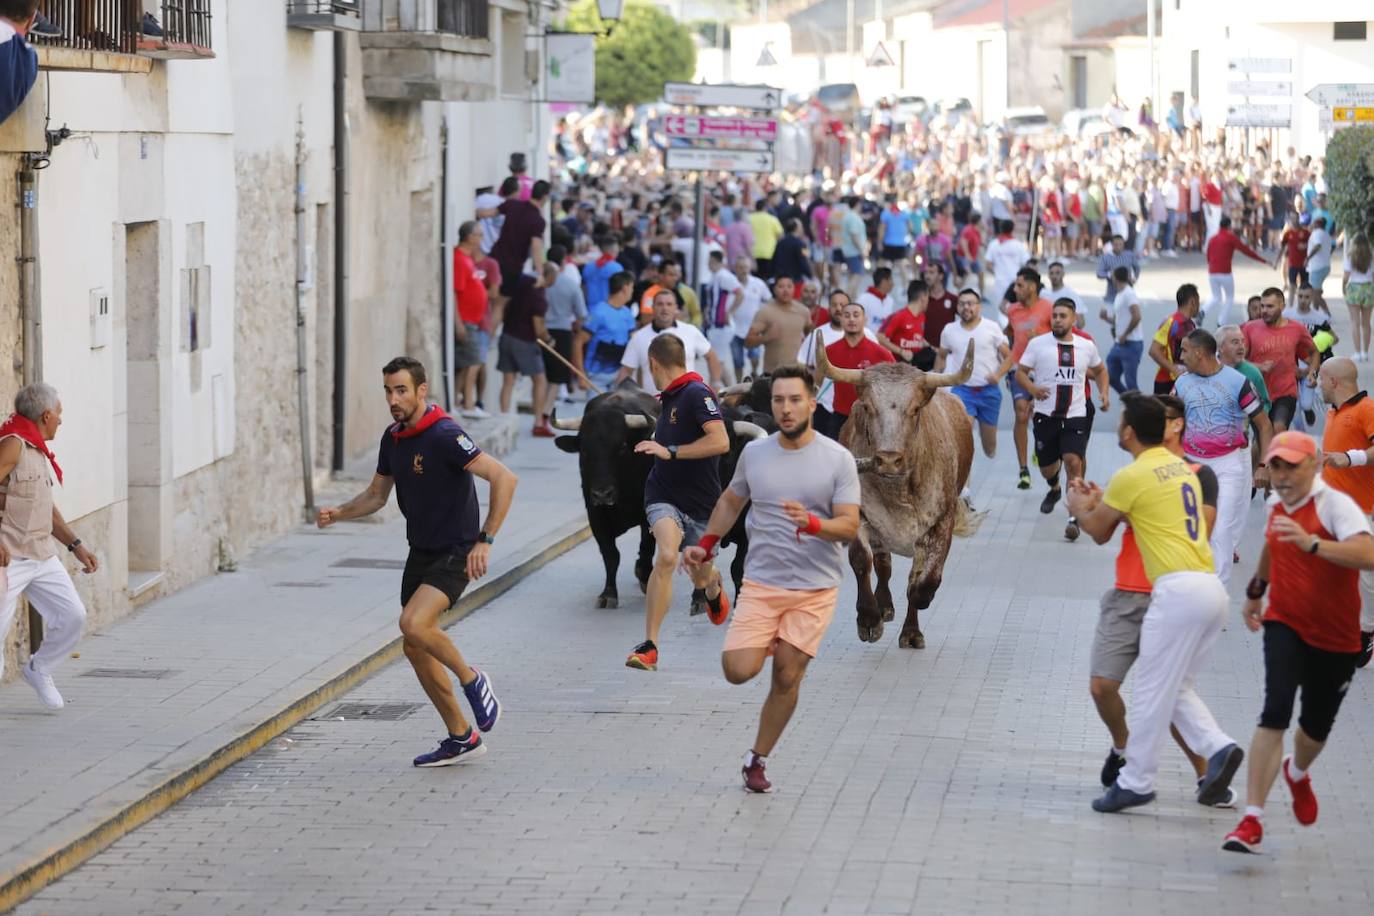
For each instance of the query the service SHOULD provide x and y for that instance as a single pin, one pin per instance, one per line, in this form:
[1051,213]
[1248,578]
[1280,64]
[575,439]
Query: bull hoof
[871,634]
[889,613]
[698,602]
[608,601]
[909,640]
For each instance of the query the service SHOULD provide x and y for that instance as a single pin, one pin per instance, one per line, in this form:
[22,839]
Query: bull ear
[947,379]
[572,444]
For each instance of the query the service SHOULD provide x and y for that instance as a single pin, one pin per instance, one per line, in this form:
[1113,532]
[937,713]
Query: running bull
[913,444]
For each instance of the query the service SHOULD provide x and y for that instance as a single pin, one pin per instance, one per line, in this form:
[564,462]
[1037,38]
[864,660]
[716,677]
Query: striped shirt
[1108,264]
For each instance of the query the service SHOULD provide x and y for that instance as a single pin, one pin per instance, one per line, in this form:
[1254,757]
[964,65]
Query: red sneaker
[719,609]
[644,657]
[1304,800]
[543,432]
[755,779]
[1246,837]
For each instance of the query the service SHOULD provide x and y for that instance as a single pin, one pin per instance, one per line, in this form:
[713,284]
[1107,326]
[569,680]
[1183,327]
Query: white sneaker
[474,413]
[43,686]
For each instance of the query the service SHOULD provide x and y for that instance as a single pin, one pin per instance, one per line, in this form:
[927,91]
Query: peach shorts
[765,614]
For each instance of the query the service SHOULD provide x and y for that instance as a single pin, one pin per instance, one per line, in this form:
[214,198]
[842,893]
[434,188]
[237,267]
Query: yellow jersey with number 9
[1162,498]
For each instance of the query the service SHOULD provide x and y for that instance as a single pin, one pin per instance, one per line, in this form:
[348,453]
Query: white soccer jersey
[1061,367]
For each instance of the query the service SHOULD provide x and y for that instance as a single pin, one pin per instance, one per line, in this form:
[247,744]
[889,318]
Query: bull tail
[966,521]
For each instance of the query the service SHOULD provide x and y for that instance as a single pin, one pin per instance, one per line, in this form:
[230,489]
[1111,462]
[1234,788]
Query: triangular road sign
[766,58]
[880,57]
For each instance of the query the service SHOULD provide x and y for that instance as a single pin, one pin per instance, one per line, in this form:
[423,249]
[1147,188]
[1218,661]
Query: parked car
[839,98]
[909,108]
[1028,121]
[954,109]
[1085,122]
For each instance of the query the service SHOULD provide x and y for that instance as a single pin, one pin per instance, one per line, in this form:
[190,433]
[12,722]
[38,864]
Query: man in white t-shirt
[825,420]
[489,217]
[1126,320]
[635,363]
[982,396]
[724,296]
[1060,363]
[877,300]
[1060,290]
[754,293]
[1005,256]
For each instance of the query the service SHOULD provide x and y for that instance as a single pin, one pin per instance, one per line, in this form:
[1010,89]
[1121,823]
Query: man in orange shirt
[1027,317]
[1117,640]
[1346,446]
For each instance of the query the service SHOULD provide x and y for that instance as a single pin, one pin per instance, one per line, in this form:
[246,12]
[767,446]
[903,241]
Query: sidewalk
[165,700]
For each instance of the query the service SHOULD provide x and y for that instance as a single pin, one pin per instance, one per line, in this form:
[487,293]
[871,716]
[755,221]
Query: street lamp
[610,10]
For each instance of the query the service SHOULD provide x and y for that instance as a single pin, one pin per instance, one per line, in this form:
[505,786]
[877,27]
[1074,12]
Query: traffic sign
[1260,87]
[1352,115]
[1343,94]
[721,128]
[1259,116]
[697,159]
[880,57]
[1260,64]
[766,58]
[728,95]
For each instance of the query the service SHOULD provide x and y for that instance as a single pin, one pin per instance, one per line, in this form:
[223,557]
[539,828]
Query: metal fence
[186,22]
[94,25]
[323,7]
[469,18]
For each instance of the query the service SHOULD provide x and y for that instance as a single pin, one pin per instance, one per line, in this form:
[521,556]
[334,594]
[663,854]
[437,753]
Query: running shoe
[42,685]
[1366,649]
[1221,767]
[1023,480]
[1051,499]
[482,699]
[474,413]
[1112,768]
[755,779]
[1118,799]
[542,431]
[1246,837]
[1071,529]
[453,750]
[719,609]
[644,657]
[43,27]
[1228,802]
[1304,799]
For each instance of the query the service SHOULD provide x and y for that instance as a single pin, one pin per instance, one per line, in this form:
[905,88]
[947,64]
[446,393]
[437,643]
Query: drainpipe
[445,312]
[31,312]
[302,366]
[340,245]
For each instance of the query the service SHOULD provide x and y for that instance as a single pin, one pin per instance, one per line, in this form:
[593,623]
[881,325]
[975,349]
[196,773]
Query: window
[1078,80]
[1349,31]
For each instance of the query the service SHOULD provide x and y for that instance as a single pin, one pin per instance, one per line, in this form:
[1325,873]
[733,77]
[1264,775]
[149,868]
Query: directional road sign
[693,159]
[1260,65]
[1259,116]
[728,95]
[1352,115]
[721,128]
[1260,87]
[1342,94]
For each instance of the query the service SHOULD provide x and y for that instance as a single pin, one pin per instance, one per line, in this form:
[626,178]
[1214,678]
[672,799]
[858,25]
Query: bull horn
[571,426]
[746,430]
[946,379]
[637,421]
[735,391]
[852,376]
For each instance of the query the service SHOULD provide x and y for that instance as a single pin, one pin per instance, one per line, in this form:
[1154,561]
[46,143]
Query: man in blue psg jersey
[431,462]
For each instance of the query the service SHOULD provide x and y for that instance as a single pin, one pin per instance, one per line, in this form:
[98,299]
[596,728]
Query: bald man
[1349,463]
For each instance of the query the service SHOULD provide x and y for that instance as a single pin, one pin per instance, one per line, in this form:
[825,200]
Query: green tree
[1350,178]
[642,51]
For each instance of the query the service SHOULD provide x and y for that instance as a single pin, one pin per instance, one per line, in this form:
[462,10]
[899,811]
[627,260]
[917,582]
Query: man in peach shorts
[804,490]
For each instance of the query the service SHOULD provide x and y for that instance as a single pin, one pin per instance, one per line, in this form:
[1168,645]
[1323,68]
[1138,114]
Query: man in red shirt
[471,304]
[1221,249]
[942,308]
[1028,317]
[1316,542]
[853,351]
[904,331]
[1294,244]
[968,258]
[1275,345]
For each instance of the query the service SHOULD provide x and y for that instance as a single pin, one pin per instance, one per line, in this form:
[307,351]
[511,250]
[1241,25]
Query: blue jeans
[1123,364]
[1170,227]
[737,354]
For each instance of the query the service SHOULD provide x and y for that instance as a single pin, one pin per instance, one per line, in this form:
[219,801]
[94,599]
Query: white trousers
[1181,626]
[1233,504]
[719,339]
[1223,293]
[48,587]
[1211,217]
[1367,600]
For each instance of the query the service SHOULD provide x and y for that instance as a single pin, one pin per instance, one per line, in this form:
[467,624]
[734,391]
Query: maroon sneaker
[755,779]
[1304,799]
[1246,837]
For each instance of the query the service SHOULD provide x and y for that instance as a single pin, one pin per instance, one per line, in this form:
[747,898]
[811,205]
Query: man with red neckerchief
[431,463]
[689,438]
[877,301]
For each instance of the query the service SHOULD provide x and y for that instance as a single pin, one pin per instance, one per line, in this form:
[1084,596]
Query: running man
[1161,499]
[1315,545]
[805,507]
[1165,346]
[1276,345]
[1027,318]
[1061,363]
[683,487]
[430,461]
[991,361]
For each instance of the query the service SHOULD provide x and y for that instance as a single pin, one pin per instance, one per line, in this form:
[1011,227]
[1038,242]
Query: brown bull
[914,446]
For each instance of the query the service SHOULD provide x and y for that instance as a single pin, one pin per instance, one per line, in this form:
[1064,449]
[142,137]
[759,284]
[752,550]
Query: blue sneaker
[483,701]
[453,750]
[1118,799]
[1221,767]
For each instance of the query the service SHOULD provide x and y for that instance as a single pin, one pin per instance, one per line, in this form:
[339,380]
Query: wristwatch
[71,548]
[1316,542]
[484,538]
[672,453]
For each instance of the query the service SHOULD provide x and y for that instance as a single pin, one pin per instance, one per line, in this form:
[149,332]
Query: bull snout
[602,496]
[889,464]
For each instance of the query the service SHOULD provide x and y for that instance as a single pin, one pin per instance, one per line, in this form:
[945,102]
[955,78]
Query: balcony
[428,50]
[185,28]
[324,15]
[99,36]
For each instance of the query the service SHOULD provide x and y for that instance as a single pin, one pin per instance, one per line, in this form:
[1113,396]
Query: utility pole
[1150,29]
[1006,51]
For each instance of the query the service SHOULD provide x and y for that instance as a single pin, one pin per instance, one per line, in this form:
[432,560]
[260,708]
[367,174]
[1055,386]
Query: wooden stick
[562,359]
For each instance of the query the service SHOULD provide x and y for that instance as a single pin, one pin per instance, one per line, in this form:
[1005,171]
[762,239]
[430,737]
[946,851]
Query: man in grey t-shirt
[566,313]
[804,490]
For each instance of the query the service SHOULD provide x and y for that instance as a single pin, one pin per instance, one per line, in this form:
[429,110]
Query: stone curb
[18,886]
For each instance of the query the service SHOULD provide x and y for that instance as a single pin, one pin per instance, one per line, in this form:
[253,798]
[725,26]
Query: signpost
[1260,65]
[1259,115]
[701,159]
[725,95]
[719,128]
[1248,88]
[1352,115]
[1264,115]
[1331,95]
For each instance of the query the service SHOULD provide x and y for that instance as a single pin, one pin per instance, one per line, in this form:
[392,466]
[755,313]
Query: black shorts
[1296,275]
[828,423]
[445,570]
[1290,663]
[1281,410]
[924,359]
[894,252]
[554,370]
[509,280]
[1056,437]
[1164,387]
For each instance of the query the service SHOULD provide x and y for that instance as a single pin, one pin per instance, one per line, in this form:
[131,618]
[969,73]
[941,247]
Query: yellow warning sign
[1352,115]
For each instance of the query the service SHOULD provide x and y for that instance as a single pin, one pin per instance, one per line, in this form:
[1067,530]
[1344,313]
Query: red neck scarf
[604,260]
[26,429]
[875,292]
[678,382]
[433,414]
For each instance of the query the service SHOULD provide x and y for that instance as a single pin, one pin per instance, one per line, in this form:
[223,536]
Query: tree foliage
[642,51]
[1350,178]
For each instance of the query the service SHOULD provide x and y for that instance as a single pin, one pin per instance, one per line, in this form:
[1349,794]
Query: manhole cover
[369,563]
[390,712]
[143,674]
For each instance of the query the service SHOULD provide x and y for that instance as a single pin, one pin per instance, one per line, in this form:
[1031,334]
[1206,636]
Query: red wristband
[708,543]
[813,525]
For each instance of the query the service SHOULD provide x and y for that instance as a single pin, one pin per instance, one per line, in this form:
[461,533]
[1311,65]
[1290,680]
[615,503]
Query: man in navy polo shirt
[430,461]
[682,488]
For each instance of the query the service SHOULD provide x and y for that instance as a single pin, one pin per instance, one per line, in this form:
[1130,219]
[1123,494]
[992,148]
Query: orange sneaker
[644,657]
[719,609]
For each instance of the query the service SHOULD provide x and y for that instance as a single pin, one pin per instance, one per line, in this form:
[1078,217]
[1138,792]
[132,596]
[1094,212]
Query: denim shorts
[983,402]
[693,530]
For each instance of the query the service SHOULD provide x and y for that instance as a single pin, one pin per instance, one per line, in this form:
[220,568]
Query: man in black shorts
[430,461]
[1060,364]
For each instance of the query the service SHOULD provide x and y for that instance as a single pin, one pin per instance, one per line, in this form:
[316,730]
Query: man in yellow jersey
[1161,498]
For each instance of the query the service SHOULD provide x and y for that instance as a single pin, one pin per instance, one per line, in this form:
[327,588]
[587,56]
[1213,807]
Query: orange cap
[1292,447]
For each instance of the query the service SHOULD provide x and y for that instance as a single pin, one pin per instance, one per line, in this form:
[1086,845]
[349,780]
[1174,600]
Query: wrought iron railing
[186,22]
[94,25]
[323,7]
